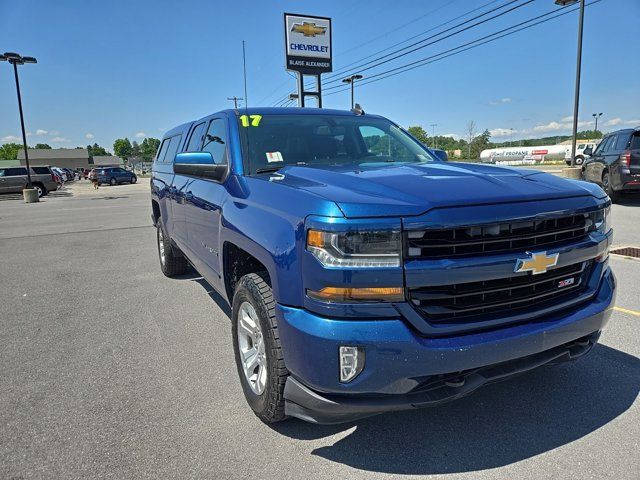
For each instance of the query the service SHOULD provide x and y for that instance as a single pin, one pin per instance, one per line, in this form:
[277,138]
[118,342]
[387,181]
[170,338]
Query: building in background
[106,161]
[72,158]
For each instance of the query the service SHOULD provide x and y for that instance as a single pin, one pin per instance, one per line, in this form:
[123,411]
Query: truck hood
[383,189]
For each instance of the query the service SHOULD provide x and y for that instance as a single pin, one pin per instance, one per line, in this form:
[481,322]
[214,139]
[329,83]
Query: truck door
[177,231]
[204,199]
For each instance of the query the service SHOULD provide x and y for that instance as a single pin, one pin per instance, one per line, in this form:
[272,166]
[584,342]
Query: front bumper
[400,362]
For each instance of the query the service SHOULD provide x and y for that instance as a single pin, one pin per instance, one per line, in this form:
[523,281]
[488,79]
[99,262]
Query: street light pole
[16,59]
[576,101]
[24,135]
[596,116]
[351,80]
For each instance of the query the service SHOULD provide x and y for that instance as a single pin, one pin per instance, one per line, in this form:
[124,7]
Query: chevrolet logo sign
[308,29]
[538,263]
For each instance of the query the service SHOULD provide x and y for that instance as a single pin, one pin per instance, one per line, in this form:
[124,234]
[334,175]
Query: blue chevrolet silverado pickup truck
[364,274]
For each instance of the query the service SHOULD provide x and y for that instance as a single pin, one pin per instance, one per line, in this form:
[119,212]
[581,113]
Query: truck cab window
[215,141]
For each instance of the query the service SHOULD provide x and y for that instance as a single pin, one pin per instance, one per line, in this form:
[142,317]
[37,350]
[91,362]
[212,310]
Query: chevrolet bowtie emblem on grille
[538,263]
[308,29]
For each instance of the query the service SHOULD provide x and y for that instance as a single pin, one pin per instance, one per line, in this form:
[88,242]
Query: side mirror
[199,164]
[440,154]
[588,151]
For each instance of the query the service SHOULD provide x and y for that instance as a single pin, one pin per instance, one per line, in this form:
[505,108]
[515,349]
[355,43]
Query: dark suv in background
[615,163]
[115,176]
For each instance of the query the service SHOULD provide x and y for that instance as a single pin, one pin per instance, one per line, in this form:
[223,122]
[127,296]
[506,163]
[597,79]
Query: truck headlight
[355,249]
[601,220]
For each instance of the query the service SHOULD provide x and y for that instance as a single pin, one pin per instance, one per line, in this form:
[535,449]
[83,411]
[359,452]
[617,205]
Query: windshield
[271,142]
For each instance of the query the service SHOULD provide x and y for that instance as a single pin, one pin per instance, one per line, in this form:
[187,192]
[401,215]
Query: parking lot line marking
[630,312]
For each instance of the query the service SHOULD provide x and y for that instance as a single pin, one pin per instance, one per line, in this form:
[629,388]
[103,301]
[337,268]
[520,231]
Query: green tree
[148,148]
[479,143]
[96,150]
[122,148]
[9,151]
[419,133]
[42,146]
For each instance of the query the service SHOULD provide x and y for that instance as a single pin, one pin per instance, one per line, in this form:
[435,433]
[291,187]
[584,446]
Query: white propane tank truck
[525,155]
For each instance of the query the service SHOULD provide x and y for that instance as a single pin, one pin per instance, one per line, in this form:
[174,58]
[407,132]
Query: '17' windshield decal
[250,120]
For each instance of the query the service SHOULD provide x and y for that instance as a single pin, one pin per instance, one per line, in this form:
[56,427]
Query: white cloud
[501,132]
[54,132]
[632,122]
[500,101]
[89,136]
[60,140]
[11,138]
[613,121]
[141,135]
[29,134]
[562,125]
[566,119]
[162,129]
[41,132]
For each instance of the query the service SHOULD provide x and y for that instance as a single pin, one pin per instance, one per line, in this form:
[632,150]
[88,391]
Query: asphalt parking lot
[108,369]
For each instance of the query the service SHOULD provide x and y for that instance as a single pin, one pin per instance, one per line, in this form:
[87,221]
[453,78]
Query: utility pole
[433,130]
[235,101]
[351,80]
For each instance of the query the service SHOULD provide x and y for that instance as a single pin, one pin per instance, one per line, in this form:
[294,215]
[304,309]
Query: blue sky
[110,69]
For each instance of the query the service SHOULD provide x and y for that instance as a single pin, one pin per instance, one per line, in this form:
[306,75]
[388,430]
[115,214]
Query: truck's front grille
[497,238]
[476,300]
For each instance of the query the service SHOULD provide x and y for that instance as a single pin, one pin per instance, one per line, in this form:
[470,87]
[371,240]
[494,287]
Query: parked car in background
[61,176]
[14,180]
[615,163]
[115,176]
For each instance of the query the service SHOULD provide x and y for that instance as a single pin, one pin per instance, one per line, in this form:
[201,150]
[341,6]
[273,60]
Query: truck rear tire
[172,263]
[256,344]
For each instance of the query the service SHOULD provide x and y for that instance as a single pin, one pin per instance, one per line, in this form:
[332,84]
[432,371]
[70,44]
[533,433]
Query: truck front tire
[256,344]
[172,263]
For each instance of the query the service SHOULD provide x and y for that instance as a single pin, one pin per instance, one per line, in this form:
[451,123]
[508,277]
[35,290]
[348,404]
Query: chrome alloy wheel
[161,250]
[251,346]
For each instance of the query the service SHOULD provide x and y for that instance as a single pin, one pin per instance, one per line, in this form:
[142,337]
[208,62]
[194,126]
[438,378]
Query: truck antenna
[246,106]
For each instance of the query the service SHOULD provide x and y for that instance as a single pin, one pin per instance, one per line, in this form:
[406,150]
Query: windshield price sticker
[274,157]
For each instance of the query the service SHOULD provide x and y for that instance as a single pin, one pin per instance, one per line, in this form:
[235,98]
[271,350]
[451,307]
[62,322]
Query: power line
[420,61]
[415,44]
[443,55]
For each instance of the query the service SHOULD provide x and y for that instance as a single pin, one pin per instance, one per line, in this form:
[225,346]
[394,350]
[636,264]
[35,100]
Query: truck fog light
[351,363]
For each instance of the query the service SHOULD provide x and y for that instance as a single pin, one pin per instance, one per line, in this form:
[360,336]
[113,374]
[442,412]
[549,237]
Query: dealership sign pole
[308,51]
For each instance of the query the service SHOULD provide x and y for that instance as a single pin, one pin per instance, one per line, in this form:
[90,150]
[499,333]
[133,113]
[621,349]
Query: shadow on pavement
[110,197]
[498,425]
[215,296]
[629,199]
